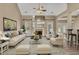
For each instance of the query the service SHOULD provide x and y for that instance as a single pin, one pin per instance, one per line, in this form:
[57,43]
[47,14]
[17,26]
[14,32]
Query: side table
[4,44]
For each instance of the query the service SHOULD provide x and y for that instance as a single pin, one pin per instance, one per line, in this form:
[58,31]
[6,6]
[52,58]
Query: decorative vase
[36,37]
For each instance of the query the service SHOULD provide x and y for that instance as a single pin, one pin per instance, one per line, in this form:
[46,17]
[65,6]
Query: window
[61,27]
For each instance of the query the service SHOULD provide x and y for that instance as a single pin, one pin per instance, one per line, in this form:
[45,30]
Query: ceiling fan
[40,8]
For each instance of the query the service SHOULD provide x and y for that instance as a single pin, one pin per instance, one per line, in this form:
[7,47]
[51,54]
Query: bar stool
[77,38]
[74,35]
[78,35]
[69,36]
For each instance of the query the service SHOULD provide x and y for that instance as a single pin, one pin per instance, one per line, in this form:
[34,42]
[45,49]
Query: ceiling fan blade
[34,8]
[44,10]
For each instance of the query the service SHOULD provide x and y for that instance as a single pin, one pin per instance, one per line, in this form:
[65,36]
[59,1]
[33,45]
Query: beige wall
[70,8]
[9,10]
[76,23]
[73,6]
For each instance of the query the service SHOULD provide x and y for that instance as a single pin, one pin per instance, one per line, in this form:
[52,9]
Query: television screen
[9,24]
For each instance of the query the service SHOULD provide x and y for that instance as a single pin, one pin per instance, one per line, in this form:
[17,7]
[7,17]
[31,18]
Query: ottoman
[23,49]
[43,49]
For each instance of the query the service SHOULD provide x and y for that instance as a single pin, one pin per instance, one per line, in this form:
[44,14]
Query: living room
[39,29]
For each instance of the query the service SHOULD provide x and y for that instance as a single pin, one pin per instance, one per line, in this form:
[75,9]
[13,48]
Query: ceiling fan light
[39,12]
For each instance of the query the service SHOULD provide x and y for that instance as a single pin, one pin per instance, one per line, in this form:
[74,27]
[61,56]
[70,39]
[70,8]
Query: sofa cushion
[43,49]
[57,41]
[23,49]
[13,34]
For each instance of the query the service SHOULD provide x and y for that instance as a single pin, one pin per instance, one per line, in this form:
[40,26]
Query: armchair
[57,41]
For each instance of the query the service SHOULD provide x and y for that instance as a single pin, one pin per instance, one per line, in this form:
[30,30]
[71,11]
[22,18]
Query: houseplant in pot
[23,27]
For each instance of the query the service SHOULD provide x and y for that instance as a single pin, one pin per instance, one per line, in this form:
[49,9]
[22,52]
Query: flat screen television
[9,24]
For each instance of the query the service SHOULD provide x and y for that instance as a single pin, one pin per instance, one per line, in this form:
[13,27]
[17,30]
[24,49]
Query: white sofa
[15,40]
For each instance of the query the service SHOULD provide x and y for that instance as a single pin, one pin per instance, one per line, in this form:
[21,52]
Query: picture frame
[9,24]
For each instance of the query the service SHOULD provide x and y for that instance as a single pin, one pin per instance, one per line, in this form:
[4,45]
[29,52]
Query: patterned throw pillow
[8,35]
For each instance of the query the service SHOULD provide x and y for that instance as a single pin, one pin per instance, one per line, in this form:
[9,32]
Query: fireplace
[38,32]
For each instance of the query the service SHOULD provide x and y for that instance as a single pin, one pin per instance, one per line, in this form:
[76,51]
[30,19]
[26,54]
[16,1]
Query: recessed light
[52,12]
[25,11]
[34,8]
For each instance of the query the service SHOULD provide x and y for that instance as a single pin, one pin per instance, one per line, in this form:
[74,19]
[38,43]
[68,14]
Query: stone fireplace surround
[46,19]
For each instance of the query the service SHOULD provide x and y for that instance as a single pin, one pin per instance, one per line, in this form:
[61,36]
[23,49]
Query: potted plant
[23,27]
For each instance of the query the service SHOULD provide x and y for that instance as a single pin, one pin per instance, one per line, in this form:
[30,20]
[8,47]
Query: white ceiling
[56,8]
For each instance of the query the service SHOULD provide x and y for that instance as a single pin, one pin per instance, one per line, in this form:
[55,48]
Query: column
[69,21]
[70,27]
[54,26]
[33,24]
[45,28]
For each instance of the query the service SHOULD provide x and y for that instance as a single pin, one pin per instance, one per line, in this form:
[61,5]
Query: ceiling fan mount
[40,8]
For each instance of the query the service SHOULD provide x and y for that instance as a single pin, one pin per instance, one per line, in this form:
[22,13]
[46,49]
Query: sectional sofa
[15,40]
